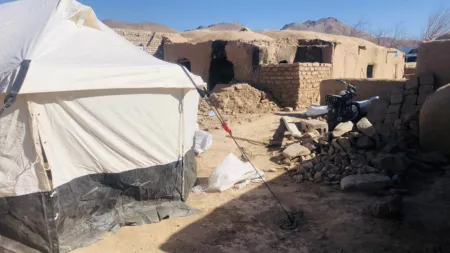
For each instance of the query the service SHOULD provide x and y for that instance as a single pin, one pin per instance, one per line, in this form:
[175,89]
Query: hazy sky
[264,14]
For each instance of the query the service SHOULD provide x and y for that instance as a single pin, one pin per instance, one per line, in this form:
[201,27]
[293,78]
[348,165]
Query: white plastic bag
[316,110]
[230,172]
[203,141]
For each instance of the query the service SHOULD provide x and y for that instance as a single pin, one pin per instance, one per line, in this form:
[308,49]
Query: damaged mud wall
[245,57]
[352,61]
[199,56]
[434,57]
[152,42]
[295,85]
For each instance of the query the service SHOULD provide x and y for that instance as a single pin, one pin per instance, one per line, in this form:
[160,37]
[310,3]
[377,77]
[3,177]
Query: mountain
[236,26]
[325,25]
[145,26]
[332,25]
[329,25]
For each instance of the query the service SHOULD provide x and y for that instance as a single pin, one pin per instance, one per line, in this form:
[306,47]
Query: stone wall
[397,109]
[294,85]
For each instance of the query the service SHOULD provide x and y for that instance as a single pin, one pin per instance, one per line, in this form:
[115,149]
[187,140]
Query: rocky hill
[145,26]
[329,25]
[236,26]
[332,25]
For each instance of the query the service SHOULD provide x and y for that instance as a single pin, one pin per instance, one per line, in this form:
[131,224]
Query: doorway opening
[369,72]
[221,70]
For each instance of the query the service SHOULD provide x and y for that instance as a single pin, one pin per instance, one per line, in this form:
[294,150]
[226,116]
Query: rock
[336,145]
[370,156]
[345,144]
[366,127]
[295,150]
[365,142]
[331,176]
[365,183]
[446,167]
[318,177]
[331,150]
[288,109]
[307,166]
[312,133]
[338,160]
[391,209]
[319,167]
[342,128]
[287,162]
[369,169]
[309,145]
[306,157]
[358,160]
[431,157]
[298,178]
[273,170]
[394,163]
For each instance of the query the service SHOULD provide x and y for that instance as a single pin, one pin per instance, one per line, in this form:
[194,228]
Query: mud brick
[426,89]
[408,109]
[422,98]
[391,118]
[412,83]
[394,109]
[396,98]
[426,79]
[410,100]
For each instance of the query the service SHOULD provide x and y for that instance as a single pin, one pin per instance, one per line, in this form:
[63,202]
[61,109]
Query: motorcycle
[342,108]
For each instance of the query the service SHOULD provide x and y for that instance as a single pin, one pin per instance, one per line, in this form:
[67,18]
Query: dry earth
[248,220]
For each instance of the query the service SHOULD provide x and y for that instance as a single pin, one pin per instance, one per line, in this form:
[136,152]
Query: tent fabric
[104,131]
[71,50]
[20,171]
[115,124]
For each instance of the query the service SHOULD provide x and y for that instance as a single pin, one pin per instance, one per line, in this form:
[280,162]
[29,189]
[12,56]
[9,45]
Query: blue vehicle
[410,54]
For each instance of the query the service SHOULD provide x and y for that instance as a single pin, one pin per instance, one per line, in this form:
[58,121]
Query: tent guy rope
[292,222]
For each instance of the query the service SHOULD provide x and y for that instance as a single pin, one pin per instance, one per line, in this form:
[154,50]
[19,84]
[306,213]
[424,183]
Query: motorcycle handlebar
[348,86]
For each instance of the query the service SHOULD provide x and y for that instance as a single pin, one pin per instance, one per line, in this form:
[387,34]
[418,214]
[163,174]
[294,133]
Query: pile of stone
[355,156]
[242,99]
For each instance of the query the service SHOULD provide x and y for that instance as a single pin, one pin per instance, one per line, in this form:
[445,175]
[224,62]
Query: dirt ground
[248,220]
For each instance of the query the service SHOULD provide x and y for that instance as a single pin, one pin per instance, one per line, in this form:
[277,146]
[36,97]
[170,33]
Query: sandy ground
[248,220]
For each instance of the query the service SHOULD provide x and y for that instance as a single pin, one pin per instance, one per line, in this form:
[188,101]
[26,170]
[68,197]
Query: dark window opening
[255,58]
[221,70]
[411,59]
[369,71]
[283,61]
[309,54]
[185,62]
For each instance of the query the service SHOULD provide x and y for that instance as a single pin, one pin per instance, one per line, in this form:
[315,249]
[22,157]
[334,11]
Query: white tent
[115,125]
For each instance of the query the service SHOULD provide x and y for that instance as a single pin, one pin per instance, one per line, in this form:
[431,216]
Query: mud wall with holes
[434,57]
[199,55]
[295,85]
[245,57]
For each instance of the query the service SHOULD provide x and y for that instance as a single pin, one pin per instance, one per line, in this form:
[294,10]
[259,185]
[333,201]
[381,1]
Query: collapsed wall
[397,109]
[295,85]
